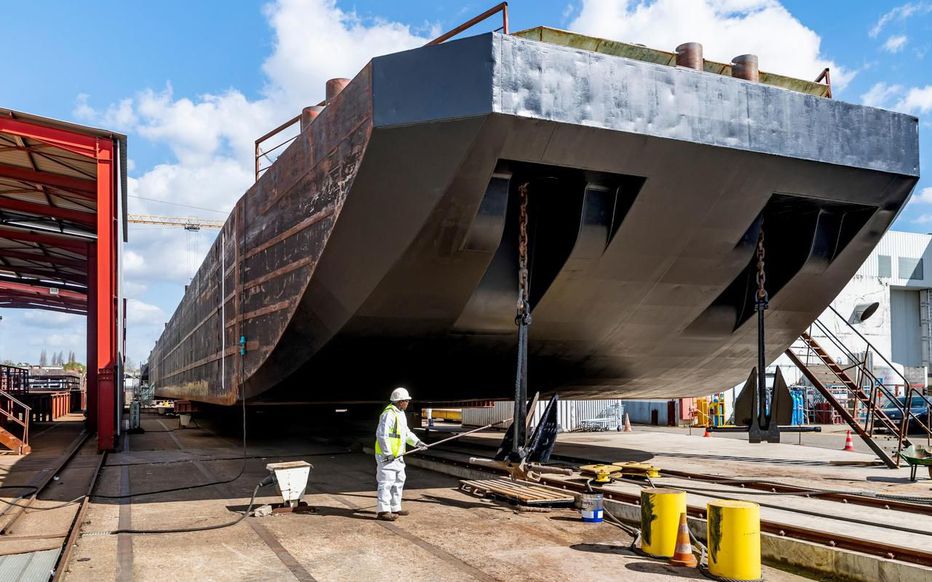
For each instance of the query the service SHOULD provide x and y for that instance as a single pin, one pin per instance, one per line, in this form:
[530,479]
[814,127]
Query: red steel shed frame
[62,219]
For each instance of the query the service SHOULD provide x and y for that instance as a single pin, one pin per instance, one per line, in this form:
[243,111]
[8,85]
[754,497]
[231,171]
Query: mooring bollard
[660,520]
[733,538]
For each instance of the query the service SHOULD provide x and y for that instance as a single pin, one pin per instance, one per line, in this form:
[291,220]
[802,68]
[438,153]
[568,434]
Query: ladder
[875,416]
[16,412]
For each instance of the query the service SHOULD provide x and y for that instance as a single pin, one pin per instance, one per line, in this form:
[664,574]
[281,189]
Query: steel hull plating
[379,248]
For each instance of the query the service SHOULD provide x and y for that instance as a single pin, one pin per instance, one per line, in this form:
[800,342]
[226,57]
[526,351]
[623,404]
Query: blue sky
[193,83]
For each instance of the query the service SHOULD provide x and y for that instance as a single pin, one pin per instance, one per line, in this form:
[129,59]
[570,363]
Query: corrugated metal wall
[641,411]
[571,414]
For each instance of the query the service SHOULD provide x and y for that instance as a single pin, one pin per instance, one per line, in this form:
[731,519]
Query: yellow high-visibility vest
[394,437]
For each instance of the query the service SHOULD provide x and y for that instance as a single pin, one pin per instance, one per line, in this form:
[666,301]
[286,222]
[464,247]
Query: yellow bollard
[660,520]
[733,532]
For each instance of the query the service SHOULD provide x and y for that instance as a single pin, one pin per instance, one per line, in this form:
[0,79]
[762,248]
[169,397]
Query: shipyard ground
[449,535]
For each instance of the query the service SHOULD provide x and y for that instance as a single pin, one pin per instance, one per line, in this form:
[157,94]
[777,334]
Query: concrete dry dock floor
[791,464]
[448,536]
[44,524]
[784,462]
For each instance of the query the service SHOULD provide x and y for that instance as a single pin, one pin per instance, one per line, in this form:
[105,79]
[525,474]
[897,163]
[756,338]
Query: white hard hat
[400,394]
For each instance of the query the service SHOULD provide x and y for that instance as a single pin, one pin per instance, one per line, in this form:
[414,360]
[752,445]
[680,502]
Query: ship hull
[381,247]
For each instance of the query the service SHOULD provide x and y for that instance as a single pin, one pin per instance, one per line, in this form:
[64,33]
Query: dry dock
[449,535]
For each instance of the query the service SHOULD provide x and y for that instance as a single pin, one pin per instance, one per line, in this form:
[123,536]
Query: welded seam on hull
[190,333]
[309,221]
[211,358]
[279,272]
[263,311]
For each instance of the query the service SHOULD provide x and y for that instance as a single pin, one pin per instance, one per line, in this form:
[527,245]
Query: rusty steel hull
[379,249]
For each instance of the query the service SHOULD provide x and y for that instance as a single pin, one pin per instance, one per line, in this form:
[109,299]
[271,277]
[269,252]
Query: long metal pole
[503,7]
[458,435]
[761,370]
[520,413]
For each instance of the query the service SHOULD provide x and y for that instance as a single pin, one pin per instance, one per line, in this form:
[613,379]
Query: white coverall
[390,474]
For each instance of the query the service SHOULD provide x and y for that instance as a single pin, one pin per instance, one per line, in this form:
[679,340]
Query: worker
[391,436]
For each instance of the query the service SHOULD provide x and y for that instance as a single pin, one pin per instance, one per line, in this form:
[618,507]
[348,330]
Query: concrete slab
[448,536]
[732,457]
[43,524]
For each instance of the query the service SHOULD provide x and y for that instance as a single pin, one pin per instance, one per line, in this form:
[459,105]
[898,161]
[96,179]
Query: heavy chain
[761,275]
[524,307]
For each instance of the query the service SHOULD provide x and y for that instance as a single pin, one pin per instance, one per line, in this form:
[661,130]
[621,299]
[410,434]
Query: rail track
[13,511]
[458,456]
[10,513]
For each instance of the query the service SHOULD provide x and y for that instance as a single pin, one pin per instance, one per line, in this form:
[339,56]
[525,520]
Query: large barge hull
[381,247]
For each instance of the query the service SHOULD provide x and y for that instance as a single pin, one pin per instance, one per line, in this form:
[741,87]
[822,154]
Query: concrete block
[891,571]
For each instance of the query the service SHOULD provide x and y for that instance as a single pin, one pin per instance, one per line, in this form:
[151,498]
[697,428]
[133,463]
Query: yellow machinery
[733,538]
[660,520]
[447,414]
[710,411]
[607,473]
[702,412]
[717,410]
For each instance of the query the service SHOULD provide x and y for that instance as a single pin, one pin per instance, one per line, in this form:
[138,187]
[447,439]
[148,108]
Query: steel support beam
[78,143]
[106,299]
[42,304]
[45,238]
[43,258]
[82,218]
[81,186]
[91,339]
[33,273]
[12,287]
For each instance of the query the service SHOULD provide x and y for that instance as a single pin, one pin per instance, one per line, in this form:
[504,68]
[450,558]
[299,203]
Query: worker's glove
[388,458]
[421,447]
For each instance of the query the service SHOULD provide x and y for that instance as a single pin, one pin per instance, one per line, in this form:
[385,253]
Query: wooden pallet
[524,492]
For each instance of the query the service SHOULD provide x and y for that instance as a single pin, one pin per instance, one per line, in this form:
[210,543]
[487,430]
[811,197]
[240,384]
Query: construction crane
[186,222]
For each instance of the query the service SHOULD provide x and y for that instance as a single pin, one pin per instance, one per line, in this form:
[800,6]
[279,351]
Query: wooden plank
[522,491]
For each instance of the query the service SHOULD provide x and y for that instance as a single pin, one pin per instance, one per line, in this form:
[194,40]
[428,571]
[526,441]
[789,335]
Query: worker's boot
[401,512]
[386,516]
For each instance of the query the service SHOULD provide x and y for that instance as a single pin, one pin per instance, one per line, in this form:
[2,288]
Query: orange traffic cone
[707,433]
[627,423]
[683,554]
[849,444]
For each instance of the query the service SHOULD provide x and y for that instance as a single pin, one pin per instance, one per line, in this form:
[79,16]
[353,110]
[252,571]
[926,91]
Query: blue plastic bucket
[590,507]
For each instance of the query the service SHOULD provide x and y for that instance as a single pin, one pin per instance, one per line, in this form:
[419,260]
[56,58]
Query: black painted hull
[648,187]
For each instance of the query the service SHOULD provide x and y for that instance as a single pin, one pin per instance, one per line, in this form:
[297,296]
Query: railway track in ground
[12,514]
[458,455]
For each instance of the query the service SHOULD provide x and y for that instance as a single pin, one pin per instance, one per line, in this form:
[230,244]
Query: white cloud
[895,43]
[316,41]
[726,29]
[44,318]
[880,94]
[211,137]
[140,312]
[916,100]
[899,13]
[920,199]
[924,196]
[134,289]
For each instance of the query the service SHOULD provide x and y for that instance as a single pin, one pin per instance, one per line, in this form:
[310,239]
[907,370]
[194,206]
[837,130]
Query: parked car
[919,406]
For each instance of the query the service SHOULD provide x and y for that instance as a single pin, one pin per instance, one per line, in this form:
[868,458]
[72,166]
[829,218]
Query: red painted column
[90,386]
[105,299]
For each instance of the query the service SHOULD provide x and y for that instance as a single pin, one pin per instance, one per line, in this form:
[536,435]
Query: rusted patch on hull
[265,254]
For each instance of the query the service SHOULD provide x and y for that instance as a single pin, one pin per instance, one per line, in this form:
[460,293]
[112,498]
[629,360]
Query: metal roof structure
[62,218]
[48,211]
